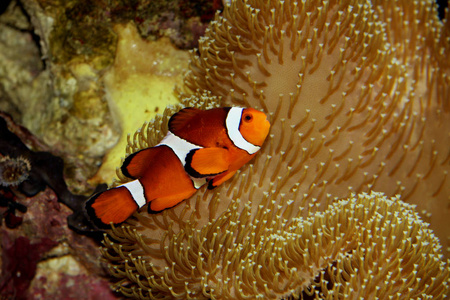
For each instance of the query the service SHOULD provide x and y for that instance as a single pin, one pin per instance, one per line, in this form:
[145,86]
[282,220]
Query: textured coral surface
[54,56]
[138,85]
[54,60]
[40,256]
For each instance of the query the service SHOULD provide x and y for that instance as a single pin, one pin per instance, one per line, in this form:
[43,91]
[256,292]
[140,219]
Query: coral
[72,263]
[19,265]
[31,267]
[45,170]
[54,56]
[13,171]
[84,27]
[139,85]
[358,99]
[8,200]
[58,57]
[64,278]
[53,59]
[38,93]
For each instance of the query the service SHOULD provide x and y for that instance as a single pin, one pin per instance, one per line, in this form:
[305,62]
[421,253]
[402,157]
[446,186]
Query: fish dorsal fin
[207,162]
[136,164]
[179,120]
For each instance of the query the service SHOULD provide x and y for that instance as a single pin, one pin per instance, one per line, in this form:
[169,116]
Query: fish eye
[248,117]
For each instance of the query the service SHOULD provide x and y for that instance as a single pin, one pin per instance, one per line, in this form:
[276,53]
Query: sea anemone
[367,245]
[357,93]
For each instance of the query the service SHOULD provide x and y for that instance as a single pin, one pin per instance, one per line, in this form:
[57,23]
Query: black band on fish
[191,171]
[93,215]
[125,164]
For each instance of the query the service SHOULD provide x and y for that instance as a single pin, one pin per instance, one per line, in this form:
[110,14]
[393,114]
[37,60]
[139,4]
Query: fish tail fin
[112,206]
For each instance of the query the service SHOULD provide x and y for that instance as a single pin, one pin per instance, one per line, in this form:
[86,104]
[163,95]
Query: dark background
[442,4]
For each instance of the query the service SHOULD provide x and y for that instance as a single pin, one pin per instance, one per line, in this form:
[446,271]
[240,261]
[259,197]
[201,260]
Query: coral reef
[43,169]
[20,267]
[35,232]
[43,258]
[55,61]
[138,85]
[54,56]
[39,93]
[358,97]
[8,200]
[13,171]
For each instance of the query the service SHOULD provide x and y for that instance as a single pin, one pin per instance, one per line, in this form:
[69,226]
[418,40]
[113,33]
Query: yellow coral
[138,86]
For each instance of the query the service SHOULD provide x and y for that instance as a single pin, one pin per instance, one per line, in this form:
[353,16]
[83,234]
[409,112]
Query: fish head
[254,126]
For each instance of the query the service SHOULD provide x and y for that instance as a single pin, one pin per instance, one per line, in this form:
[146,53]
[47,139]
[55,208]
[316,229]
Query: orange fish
[202,146]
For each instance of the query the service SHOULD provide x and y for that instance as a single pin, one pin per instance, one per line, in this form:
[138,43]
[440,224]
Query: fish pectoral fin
[207,162]
[136,164]
[219,179]
[162,203]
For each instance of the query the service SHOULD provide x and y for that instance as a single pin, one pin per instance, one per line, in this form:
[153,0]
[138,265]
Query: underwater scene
[224,149]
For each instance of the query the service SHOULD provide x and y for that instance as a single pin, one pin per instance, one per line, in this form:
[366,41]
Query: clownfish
[201,146]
